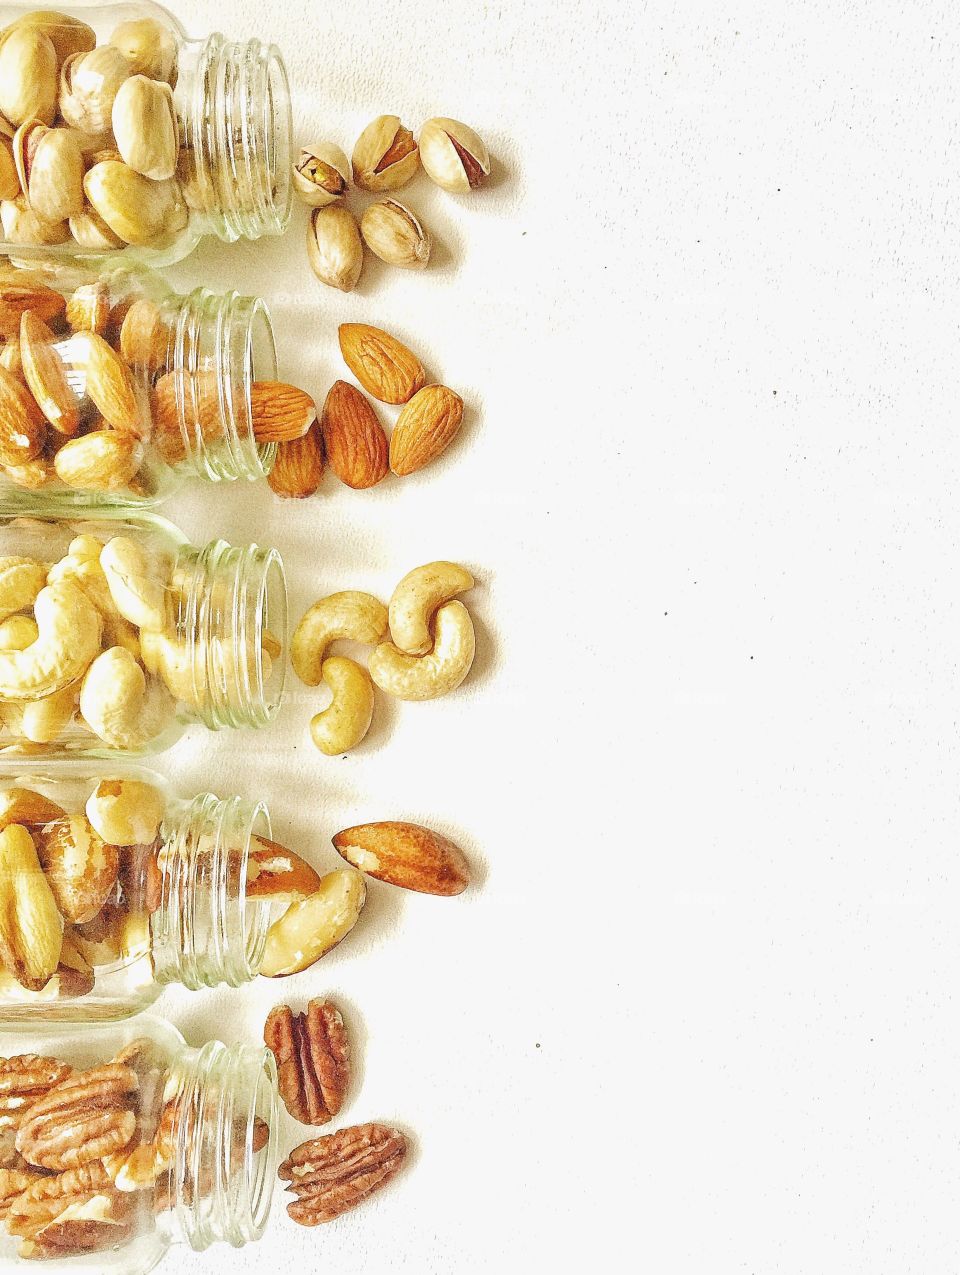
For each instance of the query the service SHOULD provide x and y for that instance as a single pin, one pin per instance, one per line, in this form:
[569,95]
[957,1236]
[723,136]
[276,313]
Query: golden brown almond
[103,460]
[382,364]
[145,336]
[353,439]
[45,372]
[88,309]
[22,425]
[109,382]
[298,467]
[16,298]
[426,427]
[280,412]
[407,855]
[185,405]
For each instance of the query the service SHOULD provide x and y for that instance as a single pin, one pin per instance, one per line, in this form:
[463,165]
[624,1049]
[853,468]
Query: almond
[109,382]
[17,298]
[298,467]
[383,366]
[280,412]
[22,426]
[145,336]
[184,400]
[407,855]
[427,425]
[88,309]
[353,438]
[46,374]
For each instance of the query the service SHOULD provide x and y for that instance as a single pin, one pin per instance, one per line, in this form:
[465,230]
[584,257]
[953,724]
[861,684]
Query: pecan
[313,1059]
[84,1118]
[13,1182]
[23,1079]
[86,1224]
[334,1173]
[47,1195]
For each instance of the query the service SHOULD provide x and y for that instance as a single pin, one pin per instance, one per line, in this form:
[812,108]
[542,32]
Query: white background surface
[698,1013]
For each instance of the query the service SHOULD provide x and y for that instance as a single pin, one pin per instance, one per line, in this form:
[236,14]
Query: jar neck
[231,606]
[220,1183]
[205,930]
[218,346]
[234,101]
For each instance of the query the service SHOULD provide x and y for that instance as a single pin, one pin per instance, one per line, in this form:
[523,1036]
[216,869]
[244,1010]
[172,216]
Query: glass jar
[116,633]
[122,136]
[163,1144]
[170,890]
[114,387]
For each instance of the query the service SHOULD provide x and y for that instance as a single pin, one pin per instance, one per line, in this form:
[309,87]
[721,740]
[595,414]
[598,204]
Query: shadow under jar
[119,1141]
[116,634]
[128,887]
[120,135]
[114,388]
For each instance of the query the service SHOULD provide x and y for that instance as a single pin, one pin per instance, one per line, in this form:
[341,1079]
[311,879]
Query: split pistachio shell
[89,83]
[321,174]
[22,225]
[134,207]
[9,181]
[67,35]
[145,127]
[334,247]
[150,48]
[52,172]
[28,76]
[453,155]
[91,231]
[385,156]
[395,234]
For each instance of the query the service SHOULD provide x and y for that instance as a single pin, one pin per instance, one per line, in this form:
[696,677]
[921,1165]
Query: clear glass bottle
[116,634]
[179,890]
[194,1133]
[115,387]
[158,139]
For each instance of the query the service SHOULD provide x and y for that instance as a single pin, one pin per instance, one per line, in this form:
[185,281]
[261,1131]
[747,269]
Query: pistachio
[67,35]
[321,174]
[133,206]
[453,155]
[385,156]
[9,181]
[89,83]
[22,225]
[91,231]
[395,234]
[28,76]
[145,127]
[51,165]
[150,48]
[334,247]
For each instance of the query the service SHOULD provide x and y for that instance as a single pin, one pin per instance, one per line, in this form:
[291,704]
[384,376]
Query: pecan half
[23,1079]
[13,1183]
[84,1225]
[47,1195]
[332,1174]
[313,1059]
[82,1119]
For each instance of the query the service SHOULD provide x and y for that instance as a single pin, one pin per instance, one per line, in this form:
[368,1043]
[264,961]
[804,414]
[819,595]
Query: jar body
[122,136]
[115,388]
[134,887]
[116,633]
[188,1155]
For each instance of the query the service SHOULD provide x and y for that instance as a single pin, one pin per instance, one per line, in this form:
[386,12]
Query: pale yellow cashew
[343,724]
[136,583]
[45,720]
[416,598]
[82,566]
[119,705]
[68,638]
[21,579]
[187,672]
[359,617]
[17,632]
[435,674]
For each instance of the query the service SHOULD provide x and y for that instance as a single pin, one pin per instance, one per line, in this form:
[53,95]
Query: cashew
[68,639]
[21,579]
[45,720]
[357,616]
[125,812]
[344,723]
[135,582]
[119,705]
[82,566]
[17,632]
[416,598]
[437,673]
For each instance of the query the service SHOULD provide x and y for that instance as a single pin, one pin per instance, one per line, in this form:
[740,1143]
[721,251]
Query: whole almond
[22,426]
[298,467]
[109,382]
[88,309]
[382,364]
[353,438]
[46,374]
[145,336]
[16,298]
[406,855]
[280,412]
[427,425]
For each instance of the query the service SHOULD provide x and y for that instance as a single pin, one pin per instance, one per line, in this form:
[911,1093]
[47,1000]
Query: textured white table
[699,1013]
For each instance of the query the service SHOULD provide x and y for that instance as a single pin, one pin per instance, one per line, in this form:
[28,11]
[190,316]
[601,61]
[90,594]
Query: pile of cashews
[431,651]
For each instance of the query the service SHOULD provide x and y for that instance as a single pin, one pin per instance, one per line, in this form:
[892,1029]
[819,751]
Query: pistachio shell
[91,231]
[9,181]
[28,76]
[334,247]
[67,35]
[55,177]
[133,206]
[89,83]
[453,155]
[149,46]
[22,225]
[321,174]
[145,127]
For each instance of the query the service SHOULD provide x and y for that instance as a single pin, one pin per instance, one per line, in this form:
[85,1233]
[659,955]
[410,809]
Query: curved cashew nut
[45,720]
[357,616]
[188,672]
[135,582]
[68,638]
[416,598]
[343,724]
[429,676]
[21,579]
[118,704]
[17,632]
[82,566]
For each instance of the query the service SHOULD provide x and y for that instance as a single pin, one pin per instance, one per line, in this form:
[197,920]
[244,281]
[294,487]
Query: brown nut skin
[313,1059]
[336,1172]
[406,855]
